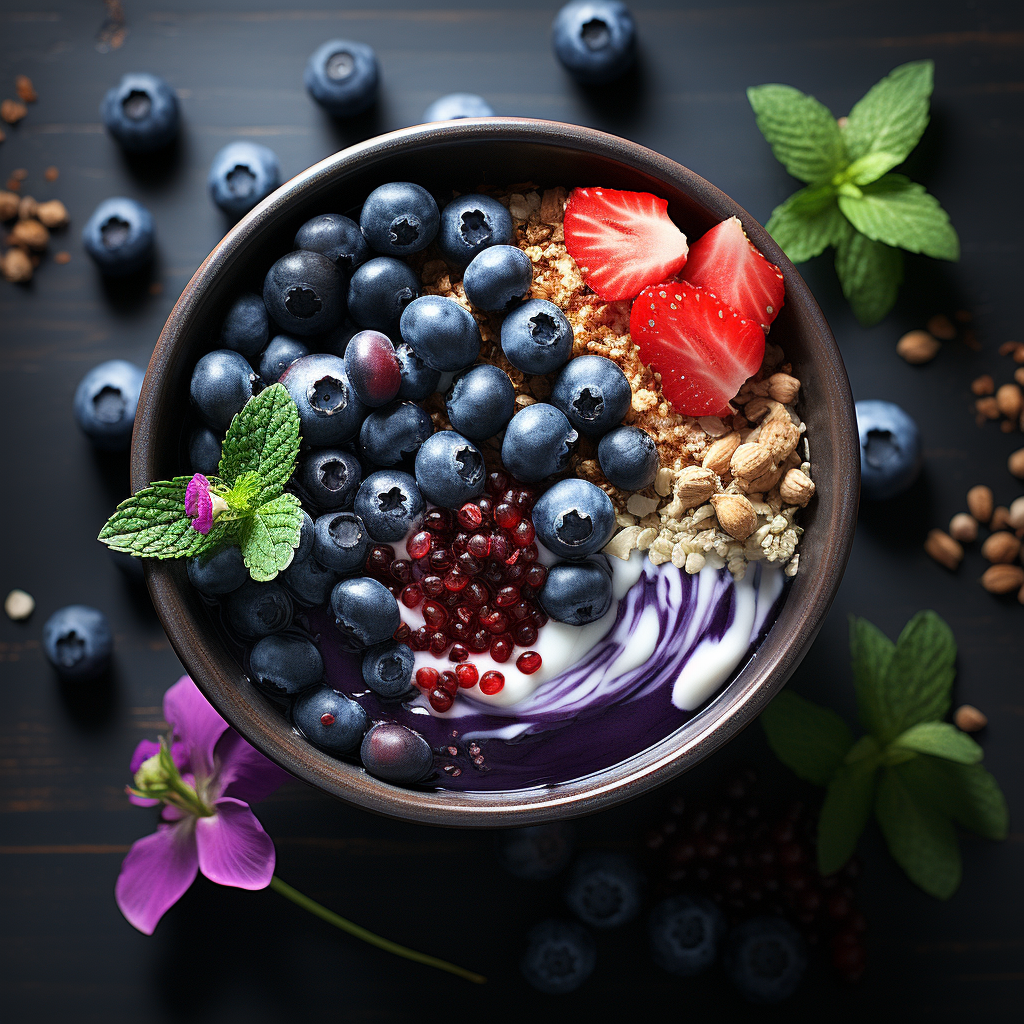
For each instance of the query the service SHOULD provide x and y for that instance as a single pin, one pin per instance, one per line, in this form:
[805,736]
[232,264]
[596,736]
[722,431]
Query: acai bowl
[682,656]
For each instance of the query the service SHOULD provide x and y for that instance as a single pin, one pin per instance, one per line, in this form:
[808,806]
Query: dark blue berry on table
[373,368]
[395,753]
[365,611]
[141,112]
[538,441]
[536,852]
[78,642]
[594,393]
[279,355]
[393,433]
[605,890]
[387,669]
[418,380]
[343,77]
[457,105]
[340,542]
[559,957]
[389,502]
[329,411]
[498,277]
[595,40]
[330,478]
[399,218]
[285,665]
[685,933]
[471,223]
[379,292]
[246,327]
[481,402]
[329,720]
[242,174]
[536,337]
[256,610]
[308,581]
[336,237]
[628,458]
[217,572]
[204,451]
[890,449]
[304,293]
[105,403]
[441,332]
[450,469]
[221,385]
[576,592]
[765,958]
[120,237]
[574,518]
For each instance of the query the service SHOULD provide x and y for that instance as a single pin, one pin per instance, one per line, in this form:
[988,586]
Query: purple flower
[199,504]
[205,776]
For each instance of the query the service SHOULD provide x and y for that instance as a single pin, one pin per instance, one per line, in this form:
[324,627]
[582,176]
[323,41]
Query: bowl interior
[463,155]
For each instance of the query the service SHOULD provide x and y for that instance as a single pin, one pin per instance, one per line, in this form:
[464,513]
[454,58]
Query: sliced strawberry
[703,349]
[726,262]
[622,241]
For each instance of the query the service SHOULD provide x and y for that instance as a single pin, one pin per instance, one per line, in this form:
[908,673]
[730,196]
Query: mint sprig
[257,460]
[919,775]
[853,201]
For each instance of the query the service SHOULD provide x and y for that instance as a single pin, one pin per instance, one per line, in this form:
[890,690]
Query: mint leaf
[967,793]
[807,222]
[870,274]
[871,652]
[807,738]
[870,167]
[268,537]
[846,810]
[940,739]
[892,115]
[921,839]
[263,439]
[899,212]
[802,132]
[920,675]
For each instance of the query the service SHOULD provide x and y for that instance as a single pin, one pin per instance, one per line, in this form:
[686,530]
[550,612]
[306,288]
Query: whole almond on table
[797,488]
[1015,514]
[1000,518]
[24,88]
[980,502]
[27,208]
[1002,578]
[1000,547]
[30,234]
[1015,463]
[941,326]
[1010,400]
[12,111]
[52,214]
[987,408]
[968,718]
[918,347]
[963,527]
[983,385]
[1018,375]
[736,515]
[16,266]
[9,203]
[944,549]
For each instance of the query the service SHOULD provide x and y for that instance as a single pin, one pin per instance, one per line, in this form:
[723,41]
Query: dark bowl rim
[736,706]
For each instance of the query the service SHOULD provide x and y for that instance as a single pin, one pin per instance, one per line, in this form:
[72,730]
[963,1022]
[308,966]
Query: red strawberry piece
[726,262]
[622,241]
[703,349]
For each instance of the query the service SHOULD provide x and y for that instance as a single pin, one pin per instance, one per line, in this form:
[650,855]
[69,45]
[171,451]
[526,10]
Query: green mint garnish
[853,202]
[250,507]
[918,774]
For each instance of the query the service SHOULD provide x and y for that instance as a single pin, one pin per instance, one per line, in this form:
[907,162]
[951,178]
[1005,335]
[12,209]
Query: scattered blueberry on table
[595,40]
[141,113]
[559,957]
[78,643]
[890,449]
[241,175]
[457,105]
[343,76]
[105,403]
[120,237]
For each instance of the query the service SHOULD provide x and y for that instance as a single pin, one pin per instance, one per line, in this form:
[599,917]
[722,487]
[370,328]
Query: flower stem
[284,889]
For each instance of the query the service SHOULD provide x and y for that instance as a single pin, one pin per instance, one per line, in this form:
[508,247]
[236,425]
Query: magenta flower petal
[195,724]
[155,875]
[243,772]
[199,504]
[233,848]
[143,752]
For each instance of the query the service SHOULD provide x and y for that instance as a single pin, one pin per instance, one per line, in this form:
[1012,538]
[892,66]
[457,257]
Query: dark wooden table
[225,955]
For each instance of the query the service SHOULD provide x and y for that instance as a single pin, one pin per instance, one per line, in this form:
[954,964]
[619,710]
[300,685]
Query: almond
[797,488]
[719,455]
[783,388]
[1010,400]
[9,202]
[12,111]
[693,486]
[983,385]
[1015,463]
[780,437]
[969,719]
[943,549]
[918,347]
[52,214]
[1001,547]
[980,502]
[29,234]
[750,460]
[1002,579]
[963,527]
[941,326]
[16,266]
[736,515]
[1000,518]
[987,408]
[766,481]
[1015,514]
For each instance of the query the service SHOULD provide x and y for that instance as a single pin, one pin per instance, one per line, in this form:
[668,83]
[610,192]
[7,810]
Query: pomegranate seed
[539,618]
[528,663]
[497,482]
[460,544]
[529,553]
[394,588]
[459,652]
[507,596]
[467,676]
[486,507]
[418,545]
[449,682]
[470,515]
[496,622]
[523,534]
[506,515]
[476,593]
[401,570]
[479,545]
[456,581]
[420,639]
[426,678]
[501,648]
[434,615]
[524,633]
[465,614]
[501,546]
[468,564]
[379,558]
[438,520]
[479,641]
[521,610]
[458,630]
[493,573]
[433,586]
[492,683]
[515,571]
[524,498]
[450,598]
[440,700]
[440,559]
[327,718]
[402,634]
[439,642]
[536,575]
[411,595]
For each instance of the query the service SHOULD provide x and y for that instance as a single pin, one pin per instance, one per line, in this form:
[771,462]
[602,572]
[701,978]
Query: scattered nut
[51,174]
[694,485]
[944,549]
[1010,400]
[62,257]
[12,111]
[16,266]
[780,436]
[719,455]
[983,385]
[918,347]
[1000,518]
[9,202]
[23,87]
[663,482]
[27,208]
[1002,579]
[941,327]
[19,605]
[623,542]
[783,388]
[1015,463]
[969,719]
[1015,514]
[750,460]
[980,501]
[963,527]
[640,505]
[1000,547]
[797,488]
[52,214]
[1008,348]
[29,234]
[735,514]
[988,408]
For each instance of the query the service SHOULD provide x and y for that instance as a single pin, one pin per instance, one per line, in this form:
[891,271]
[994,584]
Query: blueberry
[471,223]
[373,368]
[418,380]
[342,76]
[329,412]
[765,958]
[340,542]
[204,451]
[389,502]
[241,175]
[628,458]
[366,612]
[330,478]
[559,957]
[890,450]
[399,218]
[387,669]
[450,469]
[536,852]
[258,609]
[685,934]
[576,592]
[304,293]
[395,753]
[378,293]
[279,355]
[605,890]
[390,434]
[246,328]
[497,277]
[77,641]
[219,572]
[336,237]
[221,385]
[595,40]
[309,581]
[119,236]
[457,105]
[141,112]
[285,665]
[481,402]
[329,720]
[574,518]
[538,441]
[105,402]
[441,332]
[594,393]
[536,337]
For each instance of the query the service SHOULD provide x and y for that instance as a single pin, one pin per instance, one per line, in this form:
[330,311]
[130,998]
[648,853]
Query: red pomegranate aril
[529,554]
[493,574]
[420,639]
[418,545]
[501,647]
[535,576]
[501,546]
[402,633]
[479,545]
[479,640]
[468,564]
[379,558]
[497,482]
[411,595]
[455,581]
[507,515]
[524,498]
[440,700]
[433,586]
[459,652]
[460,544]
[439,642]
[491,683]
[470,515]
[438,520]
[434,615]
[467,676]
[524,633]
[528,663]
[539,617]
[521,610]
[465,614]
[450,598]
[458,631]
[441,559]
[476,593]
[449,681]
[426,678]
[327,718]
[523,534]
[486,507]
[515,571]
[401,570]
[506,596]
[496,622]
